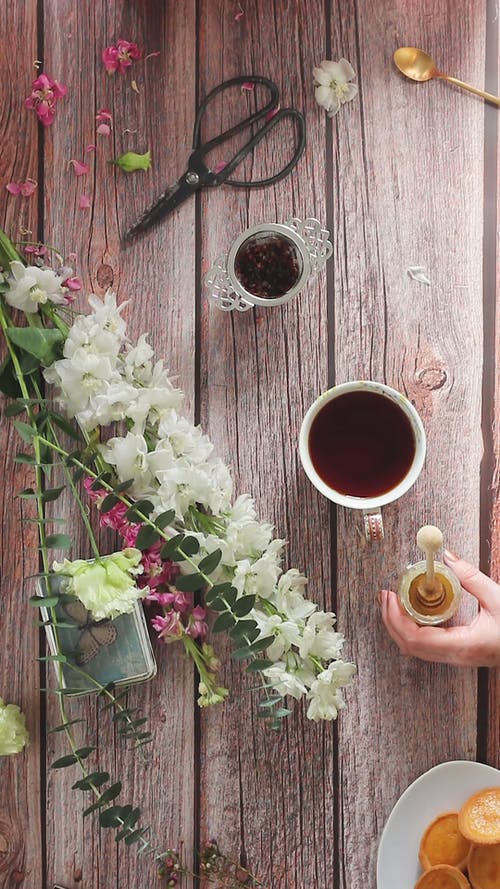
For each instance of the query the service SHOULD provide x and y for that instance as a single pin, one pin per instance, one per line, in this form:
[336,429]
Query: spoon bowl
[415,64]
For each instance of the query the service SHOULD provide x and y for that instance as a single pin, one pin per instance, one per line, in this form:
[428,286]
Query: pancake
[484,866]
[442,843]
[479,817]
[442,876]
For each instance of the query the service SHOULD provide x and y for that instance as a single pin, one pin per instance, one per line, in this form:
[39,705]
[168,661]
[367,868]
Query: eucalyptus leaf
[190,583]
[244,605]
[261,644]
[134,836]
[64,761]
[210,562]
[258,665]
[170,547]
[190,547]
[146,537]
[63,726]
[95,779]
[224,622]
[109,502]
[111,817]
[165,519]
[111,793]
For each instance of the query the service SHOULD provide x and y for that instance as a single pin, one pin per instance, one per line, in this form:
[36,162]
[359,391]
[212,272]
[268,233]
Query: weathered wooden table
[405,175]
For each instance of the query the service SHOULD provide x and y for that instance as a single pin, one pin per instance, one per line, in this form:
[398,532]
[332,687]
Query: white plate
[441,789]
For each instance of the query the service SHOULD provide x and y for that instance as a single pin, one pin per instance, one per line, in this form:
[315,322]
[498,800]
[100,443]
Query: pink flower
[40,250]
[129,532]
[25,189]
[72,283]
[84,202]
[180,602]
[45,93]
[197,627]
[121,56]
[168,626]
[80,168]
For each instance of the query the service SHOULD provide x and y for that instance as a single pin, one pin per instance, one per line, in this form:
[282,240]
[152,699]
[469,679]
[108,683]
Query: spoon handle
[472,89]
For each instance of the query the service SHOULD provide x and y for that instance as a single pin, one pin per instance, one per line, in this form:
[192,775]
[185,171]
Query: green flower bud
[131,161]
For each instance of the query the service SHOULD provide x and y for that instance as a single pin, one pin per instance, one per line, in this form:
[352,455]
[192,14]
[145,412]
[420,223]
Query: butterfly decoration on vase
[94,634]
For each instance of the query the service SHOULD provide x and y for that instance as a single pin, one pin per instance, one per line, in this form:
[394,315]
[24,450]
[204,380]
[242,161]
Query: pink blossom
[45,93]
[104,119]
[96,496]
[80,168]
[39,250]
[129,532]
[84,202]
[248,85]
[168,626]
[72,283]
[104,129]
[25,189]
[121,56]
[180,602]
[197,627]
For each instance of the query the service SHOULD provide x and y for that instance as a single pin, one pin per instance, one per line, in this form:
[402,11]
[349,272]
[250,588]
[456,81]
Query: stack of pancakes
[460,850]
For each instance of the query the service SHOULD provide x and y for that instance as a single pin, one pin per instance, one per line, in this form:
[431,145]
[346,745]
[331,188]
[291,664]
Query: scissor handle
[271,180]
[248,121]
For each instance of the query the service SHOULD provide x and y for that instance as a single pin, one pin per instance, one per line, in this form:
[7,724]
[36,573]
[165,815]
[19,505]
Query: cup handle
[374,527]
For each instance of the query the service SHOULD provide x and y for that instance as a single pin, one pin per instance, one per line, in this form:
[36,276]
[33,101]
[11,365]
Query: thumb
[479,585]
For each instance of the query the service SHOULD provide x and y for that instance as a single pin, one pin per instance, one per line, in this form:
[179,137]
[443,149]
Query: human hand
[474,645]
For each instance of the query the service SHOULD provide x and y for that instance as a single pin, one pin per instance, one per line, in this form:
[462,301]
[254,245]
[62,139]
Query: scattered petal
[28,187]
[128,130]
[134,86]
[104,129]
[84,202]
[91,148]
[239,15]
[72,257]
[120,57]
[152,55]
[131,161]
[13,188]
[418,273]
[104,116]
[80,168]
[248,85]
[219,167]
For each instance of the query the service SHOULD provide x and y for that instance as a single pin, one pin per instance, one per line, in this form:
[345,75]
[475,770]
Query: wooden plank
[409,183]
[157,275]
[267,799]
[491,387]
[20,829]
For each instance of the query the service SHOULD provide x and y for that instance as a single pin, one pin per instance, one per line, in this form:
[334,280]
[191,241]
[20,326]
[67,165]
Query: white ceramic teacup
[369,505]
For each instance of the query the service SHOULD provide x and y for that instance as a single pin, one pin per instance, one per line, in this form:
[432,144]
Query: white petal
[348,72]
[351,90]
[322,77]
[417,273]
[324,96]
[335,71]
[334,106]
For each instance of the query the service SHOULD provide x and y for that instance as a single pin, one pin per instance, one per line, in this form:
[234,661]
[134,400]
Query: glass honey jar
[433,606]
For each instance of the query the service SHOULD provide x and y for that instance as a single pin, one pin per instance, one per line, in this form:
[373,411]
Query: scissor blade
[171,197]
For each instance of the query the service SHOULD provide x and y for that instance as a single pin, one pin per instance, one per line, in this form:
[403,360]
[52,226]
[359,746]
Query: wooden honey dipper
[429,588]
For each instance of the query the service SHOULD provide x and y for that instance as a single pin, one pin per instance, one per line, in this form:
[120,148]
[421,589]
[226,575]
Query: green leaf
[128,822]
[281,712]
[109,502]
[190,547]
[224,622]
[51,494]
[145,507]
[66,427]
[134,836]
[146,537]
[58,541]
[169,548]
[63,725]
[164,519]
[258,665]
[43,601]
[124,486]
[12,410]
[244,605]
[30,459]
[261,644]
[29,364]
[210,562]
[241,654]
[190,583]
[42,343]
[241,628]
[111,817]
[111,793]
[96,779]
[9,384]
[55,658]
[8,252]
[26,431]
[64,761]
[94,807]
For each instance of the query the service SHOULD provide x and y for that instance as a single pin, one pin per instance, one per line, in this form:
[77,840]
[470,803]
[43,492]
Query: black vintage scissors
[199,175]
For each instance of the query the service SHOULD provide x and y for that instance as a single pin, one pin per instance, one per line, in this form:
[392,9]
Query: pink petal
[72,283]
[219,167]
[239,15]
[84,202]
[72,257]
[152,55]
[103,115]
[28,187]
[79,167]
[248,85]
[270,114]
[13,188]
[104,129]
[91,148]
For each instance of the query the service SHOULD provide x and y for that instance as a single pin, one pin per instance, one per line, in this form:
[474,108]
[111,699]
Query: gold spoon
[417,65]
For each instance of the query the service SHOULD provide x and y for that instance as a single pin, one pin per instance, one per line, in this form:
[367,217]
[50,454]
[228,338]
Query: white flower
[319,638]
[81,378]
[286,633]
[324,695]
[129,455]
[32,286]
[107,314]
[332,85]
[287,682]
[288,597]
[13,732]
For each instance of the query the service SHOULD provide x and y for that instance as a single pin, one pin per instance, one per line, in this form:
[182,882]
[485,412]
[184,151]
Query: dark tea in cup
[362,444]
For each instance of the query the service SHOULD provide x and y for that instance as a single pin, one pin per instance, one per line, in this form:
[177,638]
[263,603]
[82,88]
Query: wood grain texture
[269,799]
[157,275]
[21,803]
[409,184]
